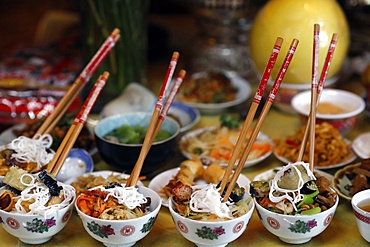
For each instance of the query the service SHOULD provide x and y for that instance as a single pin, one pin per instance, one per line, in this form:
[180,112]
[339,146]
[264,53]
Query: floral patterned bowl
[211,233]
[123,232]
[35,229]
[296,229]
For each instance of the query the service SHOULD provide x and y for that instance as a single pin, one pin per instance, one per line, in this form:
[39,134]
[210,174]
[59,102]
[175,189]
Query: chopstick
[261,118]
[68,141]
[324,73]
[251,113]
[312,123]
[78,84]
[132,180]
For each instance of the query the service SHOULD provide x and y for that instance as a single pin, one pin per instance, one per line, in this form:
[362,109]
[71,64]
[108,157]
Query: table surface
[341,231]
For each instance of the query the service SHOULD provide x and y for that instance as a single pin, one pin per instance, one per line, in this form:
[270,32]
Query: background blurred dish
[243,93]
[103,174]
[361,145]
[162,179]
[351,157]
[184,140]
[341,181]
[186,115]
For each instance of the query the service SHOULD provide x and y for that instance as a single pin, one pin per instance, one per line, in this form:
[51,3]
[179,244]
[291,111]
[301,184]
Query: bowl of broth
[338,107]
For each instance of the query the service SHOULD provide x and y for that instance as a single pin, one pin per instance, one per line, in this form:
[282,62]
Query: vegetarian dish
[210,87]
[330,147]
[30,154]
[217,143]
[113,202]
[85,139]
[126,134]
[40,194]
[294,190]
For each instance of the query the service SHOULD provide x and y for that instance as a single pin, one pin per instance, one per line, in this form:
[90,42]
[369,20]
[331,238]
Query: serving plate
[261,137]
[161,180]
[243,93]
[341,181]
[350,158]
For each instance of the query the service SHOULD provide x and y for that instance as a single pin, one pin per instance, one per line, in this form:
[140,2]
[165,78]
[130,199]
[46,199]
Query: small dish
[161,180]
[262,137]
[243,93]
[341,181]
[78,162]
[361,145]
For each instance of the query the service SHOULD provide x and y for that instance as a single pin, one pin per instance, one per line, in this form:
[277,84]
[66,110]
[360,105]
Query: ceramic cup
[362,217]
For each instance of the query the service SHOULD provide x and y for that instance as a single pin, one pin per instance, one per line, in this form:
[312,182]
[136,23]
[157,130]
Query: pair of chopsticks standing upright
[68,141]
[231,178]
[159,114]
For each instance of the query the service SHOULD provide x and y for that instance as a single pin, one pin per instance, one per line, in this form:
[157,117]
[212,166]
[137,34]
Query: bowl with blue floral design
[117,225]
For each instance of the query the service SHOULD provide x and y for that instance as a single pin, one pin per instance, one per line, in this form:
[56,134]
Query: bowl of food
[294,204]
[122,221]
[202,218]
[37,209]
[338,107]
[214,92]
[119,140]
[361,209]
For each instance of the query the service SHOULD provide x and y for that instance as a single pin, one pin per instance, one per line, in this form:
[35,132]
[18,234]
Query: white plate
[267,175]
[244,91]
[350,158]
[162,179]
[361,145]
[261,136]
[104,174]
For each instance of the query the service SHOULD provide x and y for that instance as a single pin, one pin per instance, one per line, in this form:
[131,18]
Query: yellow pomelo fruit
[291,19]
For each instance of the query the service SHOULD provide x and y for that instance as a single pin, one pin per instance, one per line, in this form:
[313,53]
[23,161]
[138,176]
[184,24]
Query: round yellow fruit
[291,19]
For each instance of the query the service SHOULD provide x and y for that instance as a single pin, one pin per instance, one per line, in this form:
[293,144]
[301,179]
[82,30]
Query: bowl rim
[109,118]
[296,102]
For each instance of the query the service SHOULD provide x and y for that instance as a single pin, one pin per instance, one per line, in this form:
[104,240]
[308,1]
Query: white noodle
[37,195]
[35,149]
[293,195]
[208,199]
[128,196]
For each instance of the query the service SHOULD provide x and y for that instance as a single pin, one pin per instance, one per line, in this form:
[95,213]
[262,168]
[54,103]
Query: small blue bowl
[78,162]
[124,156]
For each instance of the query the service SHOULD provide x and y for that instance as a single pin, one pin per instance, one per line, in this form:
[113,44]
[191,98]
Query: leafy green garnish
[231,122]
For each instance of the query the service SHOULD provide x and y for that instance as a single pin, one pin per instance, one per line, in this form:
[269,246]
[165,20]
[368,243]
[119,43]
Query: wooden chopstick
[251,113]
[324,73]
[261,118]
[68,141]
[78,84]
[314,85]
[132,180]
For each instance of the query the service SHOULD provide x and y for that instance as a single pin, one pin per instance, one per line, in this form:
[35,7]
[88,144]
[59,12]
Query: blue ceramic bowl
[78,162]
[124,156]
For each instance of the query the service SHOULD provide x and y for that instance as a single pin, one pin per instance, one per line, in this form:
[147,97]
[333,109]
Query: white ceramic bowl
[350,102]
[362,216]
[36,229]
[123,232]
[224,231]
